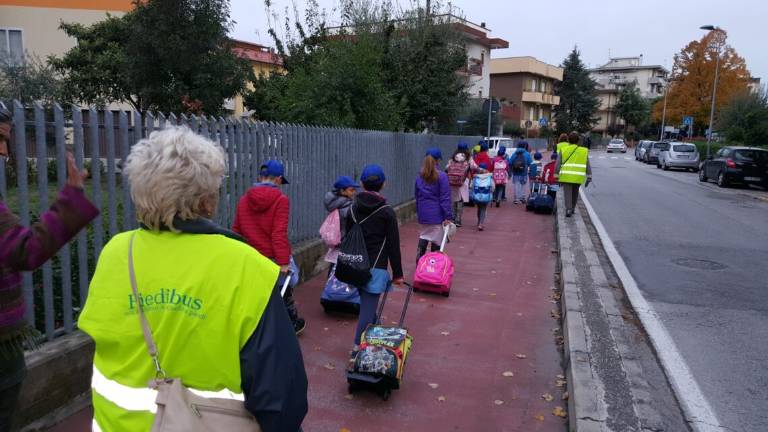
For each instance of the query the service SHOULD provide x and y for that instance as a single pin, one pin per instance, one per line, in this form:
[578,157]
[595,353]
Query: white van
[495,142]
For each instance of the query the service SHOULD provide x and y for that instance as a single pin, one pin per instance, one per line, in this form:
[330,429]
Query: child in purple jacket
[24,249]
[433,202]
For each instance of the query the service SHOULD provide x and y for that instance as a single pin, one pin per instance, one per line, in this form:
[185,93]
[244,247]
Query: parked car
[652,154]
[616,144]
[743,165]
[679,155]
[641,148]
[495,142]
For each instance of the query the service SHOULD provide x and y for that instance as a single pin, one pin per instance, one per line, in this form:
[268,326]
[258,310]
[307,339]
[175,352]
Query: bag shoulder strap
[352,212]
[145,328]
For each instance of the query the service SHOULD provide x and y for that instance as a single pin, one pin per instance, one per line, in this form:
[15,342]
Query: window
[684,148]
[542,86]
[11,46]
[531,114]
[533,85]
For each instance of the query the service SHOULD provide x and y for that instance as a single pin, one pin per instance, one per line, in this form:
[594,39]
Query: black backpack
[353,265]
[518,164]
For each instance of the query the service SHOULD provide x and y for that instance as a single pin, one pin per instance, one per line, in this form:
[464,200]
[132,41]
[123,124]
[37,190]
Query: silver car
[641,148]
[679,155]
[616,144]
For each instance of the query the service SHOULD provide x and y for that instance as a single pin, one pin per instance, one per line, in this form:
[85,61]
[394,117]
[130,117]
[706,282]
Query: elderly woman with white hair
[182,298]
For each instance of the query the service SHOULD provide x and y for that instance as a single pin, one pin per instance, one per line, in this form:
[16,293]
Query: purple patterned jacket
[26,248]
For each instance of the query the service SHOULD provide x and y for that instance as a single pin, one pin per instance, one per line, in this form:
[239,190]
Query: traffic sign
[688,120]
[494,105]
[528,123]
[543,122]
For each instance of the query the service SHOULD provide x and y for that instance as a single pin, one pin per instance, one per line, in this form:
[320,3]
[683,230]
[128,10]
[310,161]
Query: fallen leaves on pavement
[547,397]
[349,396]
[539,417]
[508,374]
[560,383]
[441,398]
[498,402]
[434,385]
[445,333]
[560,412]
[521,356]
[329,366]
[565,396]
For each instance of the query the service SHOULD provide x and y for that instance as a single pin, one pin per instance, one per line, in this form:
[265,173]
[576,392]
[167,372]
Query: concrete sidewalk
[498,319]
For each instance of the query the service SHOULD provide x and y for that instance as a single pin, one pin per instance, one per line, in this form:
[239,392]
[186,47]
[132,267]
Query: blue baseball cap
[484,146]
[537,156]
[463,146]
[435,153]
[502,151]
[483,166]
[273,168]
[373,173]
[344,182]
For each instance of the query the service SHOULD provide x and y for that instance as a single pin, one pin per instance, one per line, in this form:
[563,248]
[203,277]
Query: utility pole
[490,110]
[714,87]
[664,111]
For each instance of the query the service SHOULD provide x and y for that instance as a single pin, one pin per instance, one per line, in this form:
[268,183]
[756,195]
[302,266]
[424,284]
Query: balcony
[541,98]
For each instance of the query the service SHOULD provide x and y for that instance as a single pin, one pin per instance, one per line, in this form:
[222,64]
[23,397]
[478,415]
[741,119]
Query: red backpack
[457,173]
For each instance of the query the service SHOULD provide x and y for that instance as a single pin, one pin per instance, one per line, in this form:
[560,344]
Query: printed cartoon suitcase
[380,363]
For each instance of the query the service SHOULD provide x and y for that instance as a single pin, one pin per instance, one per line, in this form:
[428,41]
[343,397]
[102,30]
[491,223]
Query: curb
[585,410]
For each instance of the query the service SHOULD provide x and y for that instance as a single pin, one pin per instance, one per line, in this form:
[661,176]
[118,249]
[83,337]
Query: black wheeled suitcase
[380,362]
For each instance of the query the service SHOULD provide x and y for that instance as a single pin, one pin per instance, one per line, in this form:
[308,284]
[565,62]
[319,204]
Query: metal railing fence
[100,140]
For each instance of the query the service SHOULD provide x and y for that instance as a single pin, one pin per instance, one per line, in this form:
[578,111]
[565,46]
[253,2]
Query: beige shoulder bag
[179,409]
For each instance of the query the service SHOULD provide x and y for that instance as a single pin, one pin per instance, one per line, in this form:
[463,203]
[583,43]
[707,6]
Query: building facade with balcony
[613,76]
[525,86]
[479,45]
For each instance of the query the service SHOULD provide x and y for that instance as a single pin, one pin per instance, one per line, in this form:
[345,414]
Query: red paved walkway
[499,307]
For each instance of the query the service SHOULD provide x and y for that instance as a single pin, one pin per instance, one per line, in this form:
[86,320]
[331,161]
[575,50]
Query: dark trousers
[290,305]
[368,305]
[482,208]
[571,194]
[12,371]
[498,193]
[422,248]
[458,209]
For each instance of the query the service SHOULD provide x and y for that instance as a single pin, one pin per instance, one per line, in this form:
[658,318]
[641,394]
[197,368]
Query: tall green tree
[377,70]
[166,55]
[578,99]
[633,107]
[744,118]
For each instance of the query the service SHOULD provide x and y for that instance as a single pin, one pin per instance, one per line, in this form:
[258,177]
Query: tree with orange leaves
[693,73]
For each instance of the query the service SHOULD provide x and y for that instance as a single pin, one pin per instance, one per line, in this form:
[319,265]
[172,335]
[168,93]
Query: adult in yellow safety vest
[572,171]
[562,142]
[207,296]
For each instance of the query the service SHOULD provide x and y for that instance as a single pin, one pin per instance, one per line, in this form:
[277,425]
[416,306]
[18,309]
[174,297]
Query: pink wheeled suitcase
[434,271]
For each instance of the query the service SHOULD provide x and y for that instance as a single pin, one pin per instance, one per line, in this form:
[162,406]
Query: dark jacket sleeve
[272,372]
[393,244]
[26,248]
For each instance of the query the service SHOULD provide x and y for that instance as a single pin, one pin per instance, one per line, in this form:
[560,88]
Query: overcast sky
[548,30]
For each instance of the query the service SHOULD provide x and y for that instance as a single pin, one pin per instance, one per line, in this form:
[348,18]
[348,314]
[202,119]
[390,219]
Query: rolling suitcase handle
[286,283]
[445,238]
[405,306]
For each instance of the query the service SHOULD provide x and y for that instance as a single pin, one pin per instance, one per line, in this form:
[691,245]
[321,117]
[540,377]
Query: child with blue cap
[382,242]
[340,198]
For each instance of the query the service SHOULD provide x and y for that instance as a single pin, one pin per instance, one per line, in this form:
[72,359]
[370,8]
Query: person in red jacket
[482,156]
[548,176]
[262,219]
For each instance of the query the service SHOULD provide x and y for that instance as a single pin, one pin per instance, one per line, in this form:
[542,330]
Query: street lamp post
[664,111]
[714,88]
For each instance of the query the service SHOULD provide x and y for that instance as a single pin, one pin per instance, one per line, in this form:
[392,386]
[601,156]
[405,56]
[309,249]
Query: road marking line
[698,411]
[602,157]
[614,157]
[627,158]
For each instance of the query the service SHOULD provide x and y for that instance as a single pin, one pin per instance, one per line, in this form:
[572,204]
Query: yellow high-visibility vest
[573,165]
[203,295]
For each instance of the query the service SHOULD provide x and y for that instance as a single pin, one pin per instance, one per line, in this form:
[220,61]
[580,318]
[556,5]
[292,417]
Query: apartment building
[479,46]
[613,76]
[33,25]
[263,60]
[525,86]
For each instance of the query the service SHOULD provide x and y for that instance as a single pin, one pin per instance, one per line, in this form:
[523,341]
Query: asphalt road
[700,257]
